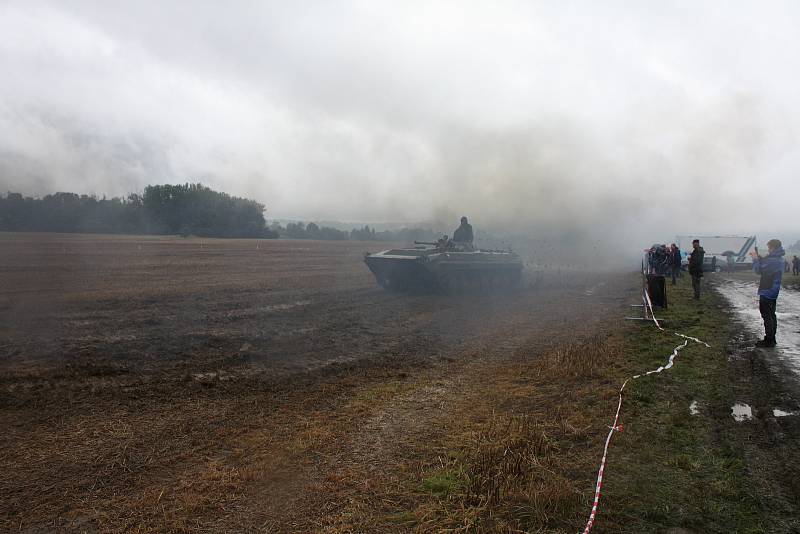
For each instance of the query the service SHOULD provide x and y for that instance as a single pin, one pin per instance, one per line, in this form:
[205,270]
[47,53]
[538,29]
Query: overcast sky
[596,114]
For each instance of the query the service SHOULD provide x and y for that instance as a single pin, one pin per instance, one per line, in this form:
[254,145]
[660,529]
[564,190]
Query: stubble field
[166,384]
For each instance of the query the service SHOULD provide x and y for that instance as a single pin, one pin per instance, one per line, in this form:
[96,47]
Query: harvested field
[163,384]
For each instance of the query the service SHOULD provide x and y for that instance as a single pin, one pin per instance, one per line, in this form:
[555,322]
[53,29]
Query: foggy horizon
[639,119]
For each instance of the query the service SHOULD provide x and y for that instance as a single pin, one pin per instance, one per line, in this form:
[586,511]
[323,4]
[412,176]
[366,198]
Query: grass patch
[443,483]
[520,469]
[530,463]
[668,468]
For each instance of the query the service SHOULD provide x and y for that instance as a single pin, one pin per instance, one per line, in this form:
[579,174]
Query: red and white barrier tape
[615,426]
[599,485]
[690,338]
[649,304]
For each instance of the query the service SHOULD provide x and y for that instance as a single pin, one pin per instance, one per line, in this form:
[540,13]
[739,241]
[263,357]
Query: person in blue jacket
[770,267]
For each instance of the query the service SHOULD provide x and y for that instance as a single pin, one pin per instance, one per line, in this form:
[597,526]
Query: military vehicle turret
[445,266]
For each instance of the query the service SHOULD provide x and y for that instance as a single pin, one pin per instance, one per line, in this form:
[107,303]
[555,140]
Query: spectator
[770,267]
[795,265]
[731,262]
[696,266]
[675,257]
[663,260]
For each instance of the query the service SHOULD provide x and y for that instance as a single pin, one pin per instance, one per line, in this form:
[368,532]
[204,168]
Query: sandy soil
[159,384]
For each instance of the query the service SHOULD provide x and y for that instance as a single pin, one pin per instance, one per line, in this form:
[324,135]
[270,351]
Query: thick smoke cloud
[631,119]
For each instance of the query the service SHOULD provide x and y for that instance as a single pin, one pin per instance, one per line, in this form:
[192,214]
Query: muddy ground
[186,385]
[159,384]
[765,390]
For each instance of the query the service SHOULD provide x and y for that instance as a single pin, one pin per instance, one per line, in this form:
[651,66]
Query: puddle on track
[694,408]
[744,300]
[741,412]
[777,412]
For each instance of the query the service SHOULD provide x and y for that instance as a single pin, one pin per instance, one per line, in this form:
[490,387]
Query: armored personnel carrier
[445,266]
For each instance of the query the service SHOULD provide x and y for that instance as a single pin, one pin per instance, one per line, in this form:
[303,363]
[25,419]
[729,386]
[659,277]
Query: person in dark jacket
[770,267]
[675,261]
[652,259]
[696,266]
[463,233]
[795,265]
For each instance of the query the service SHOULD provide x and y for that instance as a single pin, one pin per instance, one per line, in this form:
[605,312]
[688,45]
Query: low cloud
[551,119]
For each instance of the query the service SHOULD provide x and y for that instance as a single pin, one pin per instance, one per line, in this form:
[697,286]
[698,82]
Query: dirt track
[187,384]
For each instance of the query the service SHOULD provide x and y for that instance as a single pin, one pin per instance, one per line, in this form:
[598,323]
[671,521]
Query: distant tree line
[162,209]
[404,234]
[187,209]
[299,230]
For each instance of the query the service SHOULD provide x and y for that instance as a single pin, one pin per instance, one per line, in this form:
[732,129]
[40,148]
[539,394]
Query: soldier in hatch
[463,233]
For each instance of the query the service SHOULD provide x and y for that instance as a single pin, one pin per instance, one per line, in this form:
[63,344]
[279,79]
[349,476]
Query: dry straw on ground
[527,468]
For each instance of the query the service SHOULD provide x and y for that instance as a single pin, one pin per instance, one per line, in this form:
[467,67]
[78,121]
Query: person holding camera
[770,267]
